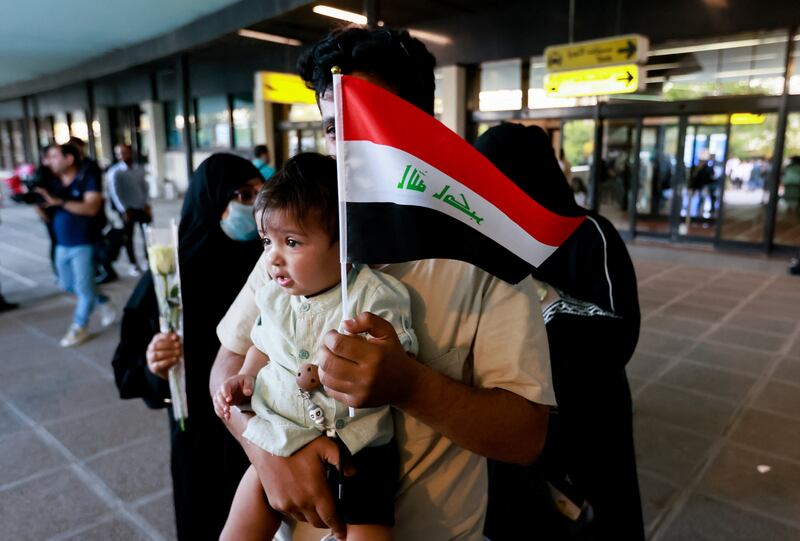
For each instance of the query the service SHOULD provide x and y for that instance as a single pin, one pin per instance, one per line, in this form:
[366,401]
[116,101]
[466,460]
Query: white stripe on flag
[382,174]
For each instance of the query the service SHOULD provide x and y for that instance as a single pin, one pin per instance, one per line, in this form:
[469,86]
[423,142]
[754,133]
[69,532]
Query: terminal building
[717,84]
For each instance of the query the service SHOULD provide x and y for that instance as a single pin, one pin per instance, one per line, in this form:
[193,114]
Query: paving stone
[658,295]
[690,311]
[662,344]
[733,476]
[119,423]
[751,339]
[716,302]
[47,506]
[62,397]
[703,414]
[667,450]
[724,356]
[655,496]
[794,350]
[689,328]
[717,382]
[763,324]
[706,519]
[135,471]
[723,291]
[774,434]
[9,422]
[645,365]
[160,513]
[788,371]
[24,454]
[635,384]
[771,308]
[116,529]
[780,398]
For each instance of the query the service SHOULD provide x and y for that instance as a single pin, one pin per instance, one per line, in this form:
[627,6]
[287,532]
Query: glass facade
[173,122]
[244,121]
[212,129]
[787,224]
[501,86]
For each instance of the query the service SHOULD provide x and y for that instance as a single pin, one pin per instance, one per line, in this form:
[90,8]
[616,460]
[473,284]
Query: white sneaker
[135,272]
[108,313]
[75,335]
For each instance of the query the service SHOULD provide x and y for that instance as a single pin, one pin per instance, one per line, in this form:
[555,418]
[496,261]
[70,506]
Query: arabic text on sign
[593,82]
[629,49]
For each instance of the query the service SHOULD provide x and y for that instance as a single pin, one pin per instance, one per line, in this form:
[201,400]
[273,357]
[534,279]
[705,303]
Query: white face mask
[239,224]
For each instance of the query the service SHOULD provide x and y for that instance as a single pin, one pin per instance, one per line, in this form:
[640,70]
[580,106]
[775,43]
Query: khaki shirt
[472,327]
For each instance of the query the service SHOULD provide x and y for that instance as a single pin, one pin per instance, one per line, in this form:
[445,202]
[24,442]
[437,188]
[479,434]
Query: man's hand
[366,372]
[49,200]
[235,390]
[296,485]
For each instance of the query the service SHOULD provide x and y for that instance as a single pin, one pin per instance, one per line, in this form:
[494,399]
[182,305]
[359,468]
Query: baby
[297,218]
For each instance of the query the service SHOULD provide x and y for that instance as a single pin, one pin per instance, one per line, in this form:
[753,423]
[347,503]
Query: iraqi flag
[413,189]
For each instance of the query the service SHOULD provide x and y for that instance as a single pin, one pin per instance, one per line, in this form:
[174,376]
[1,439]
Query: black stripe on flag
[390,233]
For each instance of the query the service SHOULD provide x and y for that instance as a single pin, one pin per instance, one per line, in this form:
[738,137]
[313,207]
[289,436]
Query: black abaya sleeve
[139,325]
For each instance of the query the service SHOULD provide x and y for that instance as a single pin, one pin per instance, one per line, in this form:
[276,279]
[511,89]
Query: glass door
[615,176]
[704,156]
[657,174]
[747,174]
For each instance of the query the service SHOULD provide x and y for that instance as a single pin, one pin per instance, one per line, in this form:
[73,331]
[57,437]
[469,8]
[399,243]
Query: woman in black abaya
[218,247]
[591,313]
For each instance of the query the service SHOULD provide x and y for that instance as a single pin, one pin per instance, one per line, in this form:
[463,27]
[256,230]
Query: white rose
[162,259]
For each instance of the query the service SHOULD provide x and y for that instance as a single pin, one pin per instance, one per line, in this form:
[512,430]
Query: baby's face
[300,257]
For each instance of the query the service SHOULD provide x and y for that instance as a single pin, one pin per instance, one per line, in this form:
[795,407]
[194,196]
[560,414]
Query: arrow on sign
[629,49]
[627,79]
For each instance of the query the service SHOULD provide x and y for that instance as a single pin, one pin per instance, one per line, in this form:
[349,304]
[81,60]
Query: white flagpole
[340,176]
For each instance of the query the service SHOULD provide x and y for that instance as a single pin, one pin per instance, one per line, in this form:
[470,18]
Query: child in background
[297,216]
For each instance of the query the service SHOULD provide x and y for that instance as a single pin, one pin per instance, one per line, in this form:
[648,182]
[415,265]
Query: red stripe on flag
[374,114]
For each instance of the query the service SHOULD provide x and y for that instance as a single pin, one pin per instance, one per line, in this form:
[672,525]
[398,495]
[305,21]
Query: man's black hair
[403,63]
[259,150]
[69,149]
[305,188]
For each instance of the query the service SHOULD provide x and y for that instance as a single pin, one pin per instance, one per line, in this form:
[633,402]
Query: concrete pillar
[454,98]
[105,154]
[156,143]
[265,119]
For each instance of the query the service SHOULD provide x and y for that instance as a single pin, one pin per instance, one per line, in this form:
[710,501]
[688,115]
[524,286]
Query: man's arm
[89,206]
[295,486]
[494,423]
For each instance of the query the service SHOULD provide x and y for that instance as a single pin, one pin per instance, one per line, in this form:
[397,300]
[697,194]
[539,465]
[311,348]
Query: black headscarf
[525,155]
[594,256]
[213,266]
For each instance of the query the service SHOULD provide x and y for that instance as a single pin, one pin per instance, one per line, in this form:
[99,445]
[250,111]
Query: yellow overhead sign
[285,88]
[629,49]
[739,119]
[593,82]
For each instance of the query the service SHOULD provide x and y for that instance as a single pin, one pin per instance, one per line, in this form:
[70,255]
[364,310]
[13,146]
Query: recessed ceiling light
[341,14]
[438,39]
[245,33]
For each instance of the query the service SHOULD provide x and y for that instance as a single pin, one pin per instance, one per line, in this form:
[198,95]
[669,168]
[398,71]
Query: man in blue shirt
[261,161]
[76,199]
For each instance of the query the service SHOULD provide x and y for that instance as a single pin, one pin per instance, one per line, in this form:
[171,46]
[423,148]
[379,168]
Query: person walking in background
[128,191]
[77,204]
[105,272]
[261,161]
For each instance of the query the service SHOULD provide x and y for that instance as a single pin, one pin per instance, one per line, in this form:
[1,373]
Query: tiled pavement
[716,382]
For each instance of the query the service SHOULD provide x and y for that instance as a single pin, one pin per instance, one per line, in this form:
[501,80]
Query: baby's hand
[234,390]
